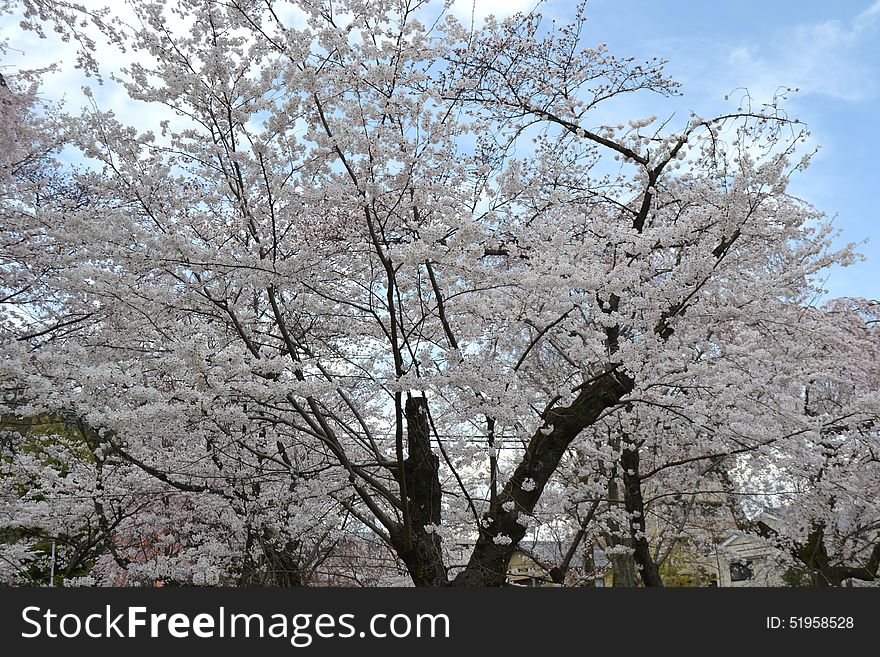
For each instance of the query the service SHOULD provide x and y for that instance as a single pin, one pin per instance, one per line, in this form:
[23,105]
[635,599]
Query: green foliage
[39,432]
[683,570]
[42,435]
[798,576]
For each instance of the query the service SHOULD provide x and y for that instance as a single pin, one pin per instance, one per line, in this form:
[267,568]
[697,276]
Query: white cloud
[870,14]
[825,58]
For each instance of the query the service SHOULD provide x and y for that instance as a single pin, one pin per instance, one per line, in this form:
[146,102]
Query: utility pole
[52,566]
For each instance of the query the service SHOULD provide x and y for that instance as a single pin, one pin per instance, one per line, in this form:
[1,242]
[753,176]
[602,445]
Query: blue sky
[829,50]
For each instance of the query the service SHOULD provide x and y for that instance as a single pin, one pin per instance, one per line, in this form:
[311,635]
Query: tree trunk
[416,542]
[814,556]
[278,566]
[623,571]
[501,531]
[623,567]
[635,507]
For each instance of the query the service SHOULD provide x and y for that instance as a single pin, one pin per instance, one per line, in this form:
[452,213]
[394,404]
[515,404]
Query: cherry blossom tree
[378,272]
[824,481]
[699,439]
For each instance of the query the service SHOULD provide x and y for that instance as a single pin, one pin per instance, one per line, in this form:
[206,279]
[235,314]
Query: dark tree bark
[279,565]
[623,568]
[418,548]
[635,506]
[814,555]
[559,572]
[623,571]
[501,532]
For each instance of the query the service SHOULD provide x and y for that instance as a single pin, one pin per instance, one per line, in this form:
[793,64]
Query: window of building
[741,571]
